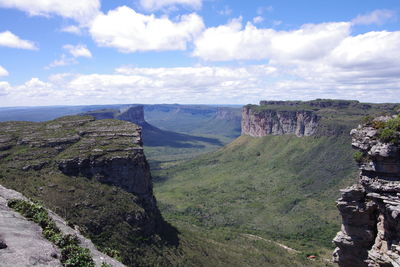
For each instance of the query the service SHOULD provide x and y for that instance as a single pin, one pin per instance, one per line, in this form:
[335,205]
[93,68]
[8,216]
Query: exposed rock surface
[134,114]
[278,122]
[25,244]
[109,150]
[370,210]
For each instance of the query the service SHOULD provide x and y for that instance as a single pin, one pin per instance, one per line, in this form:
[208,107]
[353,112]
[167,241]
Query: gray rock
[25,244]
[272,122]
[370,210]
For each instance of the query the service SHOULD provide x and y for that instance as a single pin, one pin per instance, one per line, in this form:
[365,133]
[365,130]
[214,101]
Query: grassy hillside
[162,146]
[280,187]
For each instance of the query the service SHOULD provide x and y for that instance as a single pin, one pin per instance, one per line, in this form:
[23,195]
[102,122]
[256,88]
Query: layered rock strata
[370,209]
[110,151]
[264,122]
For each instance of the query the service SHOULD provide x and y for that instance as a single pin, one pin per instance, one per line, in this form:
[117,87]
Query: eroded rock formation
[110,151]
[370,209]
[262,122]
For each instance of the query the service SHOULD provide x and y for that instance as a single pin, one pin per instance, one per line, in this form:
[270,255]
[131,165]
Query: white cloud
[81,11]
[379,17]
[78,50]
[212,85]
[128,31]
[4,89]
[233,42]
[3,71]
[72,29]
[258,19]
[153,5]
[9,39]
[62,61]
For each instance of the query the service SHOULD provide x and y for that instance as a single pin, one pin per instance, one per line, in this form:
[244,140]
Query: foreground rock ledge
[26,245]
[370,209]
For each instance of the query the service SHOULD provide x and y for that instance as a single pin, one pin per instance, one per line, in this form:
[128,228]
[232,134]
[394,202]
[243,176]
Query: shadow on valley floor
[153,136]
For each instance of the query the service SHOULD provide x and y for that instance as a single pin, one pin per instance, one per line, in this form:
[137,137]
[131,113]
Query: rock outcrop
[370,209]
[134,114]
[22,242]
[262,122]
[110,151]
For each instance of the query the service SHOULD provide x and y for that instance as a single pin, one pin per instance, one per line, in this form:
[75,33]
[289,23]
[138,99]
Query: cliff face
[370,209]
[134,115]
[69,164]
[275,122]
[110,151]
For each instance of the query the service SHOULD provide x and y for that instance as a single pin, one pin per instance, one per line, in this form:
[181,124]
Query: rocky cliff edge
[370,209]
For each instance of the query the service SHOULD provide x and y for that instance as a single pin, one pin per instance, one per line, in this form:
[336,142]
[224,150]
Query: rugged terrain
[93,173]
[279,187]
[23,243]
[168,145]
[370,209]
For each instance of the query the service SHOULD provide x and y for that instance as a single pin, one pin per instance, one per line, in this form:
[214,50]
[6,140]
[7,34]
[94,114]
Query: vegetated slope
[280,187]
[95,175]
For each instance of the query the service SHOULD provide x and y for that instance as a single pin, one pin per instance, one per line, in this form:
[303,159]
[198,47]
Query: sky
[62,52]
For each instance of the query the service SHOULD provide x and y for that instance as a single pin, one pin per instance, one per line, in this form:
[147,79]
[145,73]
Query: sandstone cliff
[262,122]
[92,172]
[370,209]
[134,114]
[320,117]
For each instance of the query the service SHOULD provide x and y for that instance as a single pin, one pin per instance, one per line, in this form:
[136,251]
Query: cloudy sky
[63,52]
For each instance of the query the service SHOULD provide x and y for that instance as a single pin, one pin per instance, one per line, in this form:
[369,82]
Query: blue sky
[57,52]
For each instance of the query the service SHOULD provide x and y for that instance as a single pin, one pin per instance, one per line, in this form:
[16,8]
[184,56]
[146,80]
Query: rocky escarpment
[134,114]
[92,172]
[261,122]
[108,150]
[370,209]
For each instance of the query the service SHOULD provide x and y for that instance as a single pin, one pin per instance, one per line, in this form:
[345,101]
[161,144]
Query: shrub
[390,132]
[74,256]
[113,253]
[388,136]
[368,120]
[358,156]
[71,254]
[378,124]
